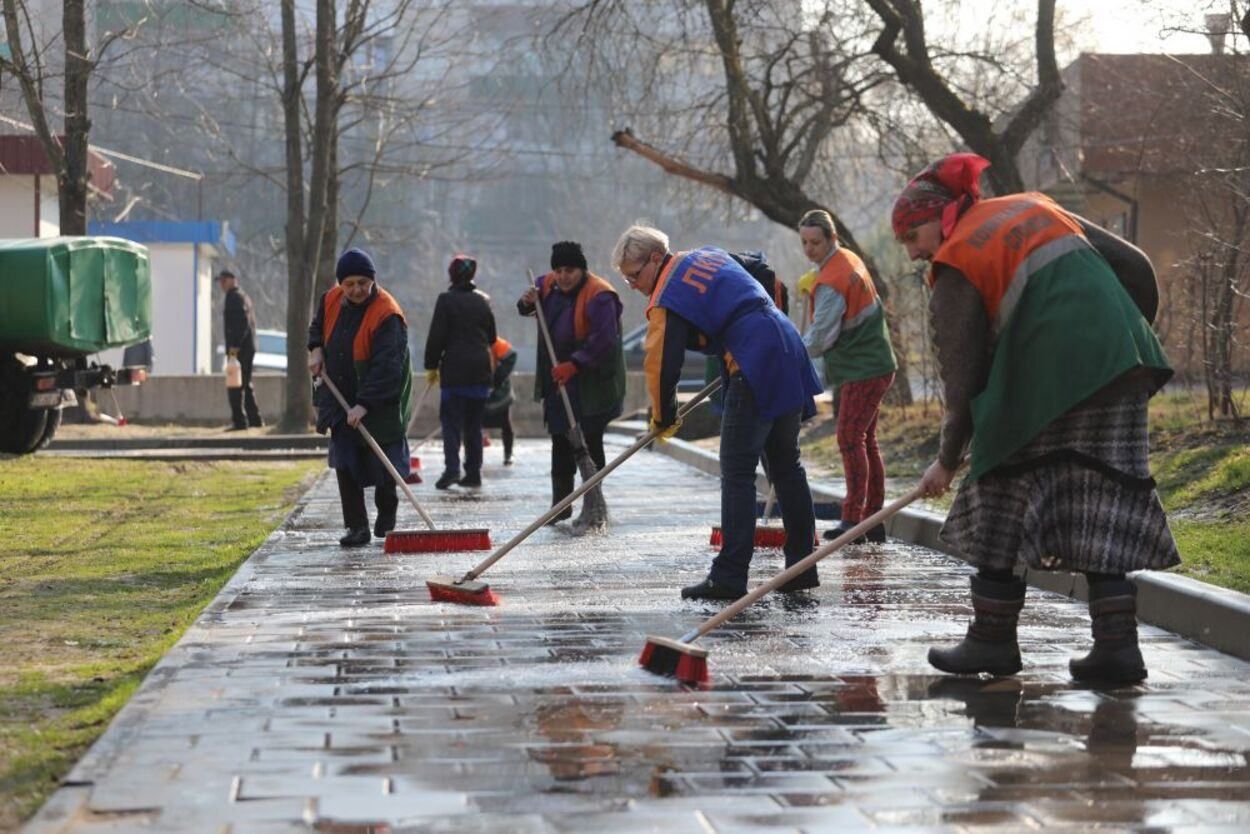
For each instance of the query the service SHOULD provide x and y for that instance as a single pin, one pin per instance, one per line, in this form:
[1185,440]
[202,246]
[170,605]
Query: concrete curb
[1216,617]
[224,440]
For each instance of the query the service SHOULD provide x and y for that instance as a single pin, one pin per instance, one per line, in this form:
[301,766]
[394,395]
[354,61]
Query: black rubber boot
[561,486]
[990,646]
[1116,657]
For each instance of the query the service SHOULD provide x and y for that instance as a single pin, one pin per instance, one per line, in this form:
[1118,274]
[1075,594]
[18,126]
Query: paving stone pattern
[323,691]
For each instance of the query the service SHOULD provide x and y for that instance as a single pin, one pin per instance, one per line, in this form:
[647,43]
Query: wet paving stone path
[323,691]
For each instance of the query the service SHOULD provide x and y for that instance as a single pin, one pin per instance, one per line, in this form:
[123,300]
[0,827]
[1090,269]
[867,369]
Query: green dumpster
[67,296]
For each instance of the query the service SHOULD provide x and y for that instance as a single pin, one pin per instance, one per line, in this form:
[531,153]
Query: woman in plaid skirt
[1042,326]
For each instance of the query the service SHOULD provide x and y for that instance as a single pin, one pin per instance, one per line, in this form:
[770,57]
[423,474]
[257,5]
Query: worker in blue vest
[705,300]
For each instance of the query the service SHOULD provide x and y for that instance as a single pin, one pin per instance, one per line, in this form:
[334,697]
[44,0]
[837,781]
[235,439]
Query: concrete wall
[200,399]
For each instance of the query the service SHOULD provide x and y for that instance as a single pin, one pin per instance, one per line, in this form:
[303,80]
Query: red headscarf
[943,191]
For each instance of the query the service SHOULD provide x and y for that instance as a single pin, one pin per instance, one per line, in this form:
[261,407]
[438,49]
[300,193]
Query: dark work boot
[991,642]
[356,537]
[1115,657]
[561,486]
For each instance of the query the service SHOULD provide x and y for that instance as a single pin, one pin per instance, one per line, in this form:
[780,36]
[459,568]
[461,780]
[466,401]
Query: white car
[270,351]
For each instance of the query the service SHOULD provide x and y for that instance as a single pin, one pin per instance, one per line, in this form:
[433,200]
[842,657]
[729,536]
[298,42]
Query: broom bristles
[672,658]
[764,537]
[463,592]
[436,541]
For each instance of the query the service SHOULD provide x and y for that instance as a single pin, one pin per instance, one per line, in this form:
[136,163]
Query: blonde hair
[638,242]
[819,219]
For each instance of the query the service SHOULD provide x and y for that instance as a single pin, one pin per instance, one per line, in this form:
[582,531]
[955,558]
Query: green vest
[599,390]
[389,423]
[863,352]
[1074,331]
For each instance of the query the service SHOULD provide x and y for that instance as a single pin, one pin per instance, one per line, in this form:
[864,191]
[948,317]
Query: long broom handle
[551,352]
[416,412]
[799,567]
[586,486]
[377,450]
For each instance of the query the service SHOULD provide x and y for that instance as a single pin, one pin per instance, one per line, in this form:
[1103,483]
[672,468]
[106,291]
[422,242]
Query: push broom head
[673,658]
[464,592]
[764,537]
[436,541]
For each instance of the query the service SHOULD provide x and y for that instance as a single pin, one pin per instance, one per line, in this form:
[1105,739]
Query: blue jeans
[744,437]
[461,418]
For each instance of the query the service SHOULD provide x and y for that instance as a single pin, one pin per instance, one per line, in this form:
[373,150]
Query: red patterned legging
[858,407]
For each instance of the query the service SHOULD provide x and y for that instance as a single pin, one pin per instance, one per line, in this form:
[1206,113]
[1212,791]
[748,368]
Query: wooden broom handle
[416,412]
[586,486]
[551,352]
[377,450]
[799,567]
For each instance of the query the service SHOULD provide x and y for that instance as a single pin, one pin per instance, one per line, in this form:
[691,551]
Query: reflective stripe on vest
[845,274]
[590,290]
[999,243]
[382,307]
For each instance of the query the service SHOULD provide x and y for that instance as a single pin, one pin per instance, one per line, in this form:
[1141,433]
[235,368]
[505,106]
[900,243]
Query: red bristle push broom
[468,591]
[688,663]
[432,540]
[765,535]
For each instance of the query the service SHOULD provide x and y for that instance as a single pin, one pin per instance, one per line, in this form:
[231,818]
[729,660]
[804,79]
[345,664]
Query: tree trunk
[72,179]
[299,281]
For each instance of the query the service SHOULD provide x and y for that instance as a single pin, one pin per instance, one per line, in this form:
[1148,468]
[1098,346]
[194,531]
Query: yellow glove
[431,376]
[663,433]
[806,281]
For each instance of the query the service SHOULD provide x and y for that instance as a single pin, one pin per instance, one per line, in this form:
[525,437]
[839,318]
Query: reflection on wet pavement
[324,692]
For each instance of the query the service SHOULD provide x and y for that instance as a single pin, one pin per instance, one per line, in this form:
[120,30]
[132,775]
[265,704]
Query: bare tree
[998,140]
[32,69]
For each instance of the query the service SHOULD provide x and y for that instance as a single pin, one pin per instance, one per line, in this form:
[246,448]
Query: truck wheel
[21,428]
[49,430]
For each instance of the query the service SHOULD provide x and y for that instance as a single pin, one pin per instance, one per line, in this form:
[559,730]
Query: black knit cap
[567,253]
[354,262]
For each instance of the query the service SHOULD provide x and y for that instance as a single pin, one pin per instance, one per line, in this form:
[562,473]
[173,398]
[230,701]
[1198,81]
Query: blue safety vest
[709,289]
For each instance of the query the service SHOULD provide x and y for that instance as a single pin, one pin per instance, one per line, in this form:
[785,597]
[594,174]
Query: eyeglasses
[634,277]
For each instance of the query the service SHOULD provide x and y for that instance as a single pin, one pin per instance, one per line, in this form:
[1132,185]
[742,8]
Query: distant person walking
[847,330]
[359,339]
[1041,322]
[458,357]
[239,320]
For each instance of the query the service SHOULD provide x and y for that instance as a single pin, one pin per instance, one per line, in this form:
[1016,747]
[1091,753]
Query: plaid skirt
[1078,497]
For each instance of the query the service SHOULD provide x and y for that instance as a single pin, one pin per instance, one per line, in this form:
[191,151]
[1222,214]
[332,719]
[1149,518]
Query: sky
[1137,26]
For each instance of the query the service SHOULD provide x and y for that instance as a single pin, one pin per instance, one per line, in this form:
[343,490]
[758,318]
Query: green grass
[1202,468]
[105,565]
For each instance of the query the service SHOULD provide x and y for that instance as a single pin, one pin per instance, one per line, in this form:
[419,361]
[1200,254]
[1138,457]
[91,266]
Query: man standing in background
[240,326]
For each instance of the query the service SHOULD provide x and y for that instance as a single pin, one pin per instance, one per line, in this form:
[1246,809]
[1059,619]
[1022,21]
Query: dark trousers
[352,497]
[508,436]
[461,418]
[244,398]
[744,437]
[564,459]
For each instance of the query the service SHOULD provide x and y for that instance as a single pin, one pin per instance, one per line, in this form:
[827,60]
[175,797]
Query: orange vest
[594,285]
[378,311]
[846,275]
[996,237]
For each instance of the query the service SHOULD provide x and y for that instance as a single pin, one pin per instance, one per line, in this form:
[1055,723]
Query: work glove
[806,282]
[431,376]
[663,433]
[563,372]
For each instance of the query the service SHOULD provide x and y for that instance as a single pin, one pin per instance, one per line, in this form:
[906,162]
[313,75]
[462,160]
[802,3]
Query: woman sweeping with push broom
[705,298]
[1042,326]
[359,339]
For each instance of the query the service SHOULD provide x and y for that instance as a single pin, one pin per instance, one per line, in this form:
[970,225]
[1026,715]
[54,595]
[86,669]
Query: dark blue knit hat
[354,262]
